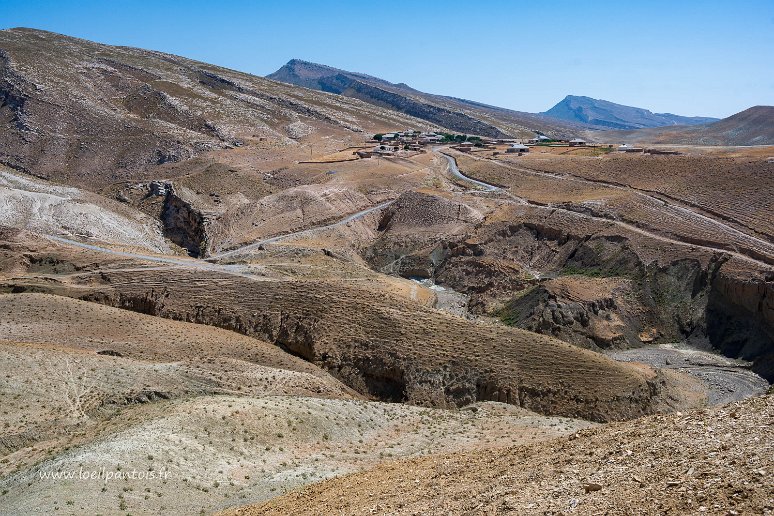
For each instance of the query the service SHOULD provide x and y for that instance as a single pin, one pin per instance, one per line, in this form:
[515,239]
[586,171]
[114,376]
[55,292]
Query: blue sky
[687,57]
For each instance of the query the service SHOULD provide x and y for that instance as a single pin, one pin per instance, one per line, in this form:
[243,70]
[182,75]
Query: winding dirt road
[278,238]
[628,226]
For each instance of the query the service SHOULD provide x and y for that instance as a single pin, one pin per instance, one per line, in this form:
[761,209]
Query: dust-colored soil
[67,366]
[213,452]
[389,347]
[92,114]
[662,215]
[715,462]
[731,189]
[313,292]
[53,209]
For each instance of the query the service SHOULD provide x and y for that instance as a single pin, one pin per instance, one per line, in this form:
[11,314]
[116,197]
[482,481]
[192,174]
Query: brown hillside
[380,344]
[753,126]
[72,109]
[709,462]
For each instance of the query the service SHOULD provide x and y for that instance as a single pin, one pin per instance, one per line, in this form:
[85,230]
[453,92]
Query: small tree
[378,137]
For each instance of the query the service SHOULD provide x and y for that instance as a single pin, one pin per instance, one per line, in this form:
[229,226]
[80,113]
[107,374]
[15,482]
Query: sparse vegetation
[299,350]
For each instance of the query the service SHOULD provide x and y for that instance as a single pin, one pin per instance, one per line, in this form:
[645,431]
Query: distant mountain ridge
[616,116]
[460,115]
[312,75]
[753,126]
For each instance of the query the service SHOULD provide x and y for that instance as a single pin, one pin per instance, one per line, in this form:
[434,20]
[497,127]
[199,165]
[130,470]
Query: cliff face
[740,319]
[184,225]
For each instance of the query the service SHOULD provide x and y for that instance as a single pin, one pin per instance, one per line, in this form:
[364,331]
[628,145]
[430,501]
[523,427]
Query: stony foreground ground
[715,461]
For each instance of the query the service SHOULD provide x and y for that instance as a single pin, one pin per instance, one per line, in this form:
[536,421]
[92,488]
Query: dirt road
[630,227]
[278,238]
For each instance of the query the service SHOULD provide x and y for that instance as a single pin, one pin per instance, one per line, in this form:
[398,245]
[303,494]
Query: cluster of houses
[414,141]
[519,146]
[389,143]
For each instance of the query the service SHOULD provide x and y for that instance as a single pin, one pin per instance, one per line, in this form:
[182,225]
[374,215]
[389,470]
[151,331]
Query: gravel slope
[710,462]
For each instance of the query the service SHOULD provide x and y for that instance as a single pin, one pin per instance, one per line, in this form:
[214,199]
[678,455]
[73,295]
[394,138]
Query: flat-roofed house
[517,147]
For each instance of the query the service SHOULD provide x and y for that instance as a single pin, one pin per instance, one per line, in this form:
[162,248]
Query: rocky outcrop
[415,233]
[589,320]
[596,290]
[182,223]
[740,319]
[11,97]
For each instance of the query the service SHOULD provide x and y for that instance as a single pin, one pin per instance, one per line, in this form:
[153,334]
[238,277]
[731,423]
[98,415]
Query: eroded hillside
[711,462]
[219,276]
[90,114]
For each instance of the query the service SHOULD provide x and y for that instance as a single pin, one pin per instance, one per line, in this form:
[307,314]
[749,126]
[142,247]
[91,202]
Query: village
[408,142]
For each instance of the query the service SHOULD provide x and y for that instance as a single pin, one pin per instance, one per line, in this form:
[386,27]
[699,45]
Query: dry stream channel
[726,379]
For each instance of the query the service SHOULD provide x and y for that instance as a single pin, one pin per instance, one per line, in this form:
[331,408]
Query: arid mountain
[616,116]
[753,126]
[219,277]
[457,114]
[82,112]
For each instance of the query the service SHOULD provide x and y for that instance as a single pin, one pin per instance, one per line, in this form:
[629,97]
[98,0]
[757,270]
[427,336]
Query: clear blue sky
[687,57]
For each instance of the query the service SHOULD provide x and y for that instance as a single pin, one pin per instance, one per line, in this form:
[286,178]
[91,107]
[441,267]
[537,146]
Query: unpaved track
[454,169]
[272,240]
[236,270]
[210,263]
[626,225]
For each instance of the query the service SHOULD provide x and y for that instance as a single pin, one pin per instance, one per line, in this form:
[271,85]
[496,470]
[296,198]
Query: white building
[517,147]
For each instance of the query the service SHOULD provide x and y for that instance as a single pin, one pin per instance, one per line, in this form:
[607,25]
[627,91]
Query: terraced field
[660,217]
[734,190]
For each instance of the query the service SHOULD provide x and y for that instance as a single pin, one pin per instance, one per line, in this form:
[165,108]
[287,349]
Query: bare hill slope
[712,462]
[80,111]
[378,343]
[603,113]
[753,126]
